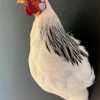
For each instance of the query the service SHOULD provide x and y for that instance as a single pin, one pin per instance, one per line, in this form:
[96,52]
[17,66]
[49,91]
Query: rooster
[57,61]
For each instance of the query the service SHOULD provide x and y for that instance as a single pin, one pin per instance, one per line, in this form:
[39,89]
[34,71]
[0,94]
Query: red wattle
[31,9]
[28,11]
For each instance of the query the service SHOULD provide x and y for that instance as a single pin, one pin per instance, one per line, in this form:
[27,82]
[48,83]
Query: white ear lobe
[42,6]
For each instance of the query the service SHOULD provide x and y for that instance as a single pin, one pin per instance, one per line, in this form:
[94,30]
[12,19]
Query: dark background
[82,17]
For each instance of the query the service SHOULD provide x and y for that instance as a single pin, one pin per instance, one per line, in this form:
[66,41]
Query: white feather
[51,72]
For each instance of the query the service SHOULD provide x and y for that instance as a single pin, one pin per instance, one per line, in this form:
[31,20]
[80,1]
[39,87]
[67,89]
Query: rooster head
[33,7]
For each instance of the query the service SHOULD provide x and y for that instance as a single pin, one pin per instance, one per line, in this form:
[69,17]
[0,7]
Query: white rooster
[57,61]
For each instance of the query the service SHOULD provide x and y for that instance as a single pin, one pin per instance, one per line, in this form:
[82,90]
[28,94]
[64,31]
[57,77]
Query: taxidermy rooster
[57,61]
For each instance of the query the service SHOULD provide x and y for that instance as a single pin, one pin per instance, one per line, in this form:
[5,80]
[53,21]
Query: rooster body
[57,61]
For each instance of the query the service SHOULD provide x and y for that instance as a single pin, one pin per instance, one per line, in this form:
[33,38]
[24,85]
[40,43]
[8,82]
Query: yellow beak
[21,1]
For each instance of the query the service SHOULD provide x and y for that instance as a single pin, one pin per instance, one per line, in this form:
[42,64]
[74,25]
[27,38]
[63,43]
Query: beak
[21,1]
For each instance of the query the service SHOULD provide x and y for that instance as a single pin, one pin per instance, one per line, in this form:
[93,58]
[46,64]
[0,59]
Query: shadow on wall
[86,27]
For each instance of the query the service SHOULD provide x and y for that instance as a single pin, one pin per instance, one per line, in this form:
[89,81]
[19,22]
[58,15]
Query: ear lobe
[42,6]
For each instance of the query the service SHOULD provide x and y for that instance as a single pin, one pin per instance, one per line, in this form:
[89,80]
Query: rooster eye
[38,0]
[42,0]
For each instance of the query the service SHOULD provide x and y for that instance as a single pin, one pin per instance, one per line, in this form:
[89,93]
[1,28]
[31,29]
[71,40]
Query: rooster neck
[51,31]
[47,14]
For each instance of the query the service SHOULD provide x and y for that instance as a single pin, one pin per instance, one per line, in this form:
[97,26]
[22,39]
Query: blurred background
[82,17]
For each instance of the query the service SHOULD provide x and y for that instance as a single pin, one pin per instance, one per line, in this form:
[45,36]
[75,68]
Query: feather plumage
[57,61]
